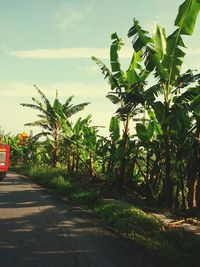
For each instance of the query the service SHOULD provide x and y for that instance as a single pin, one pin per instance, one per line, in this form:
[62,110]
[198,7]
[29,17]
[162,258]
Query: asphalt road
[39,229]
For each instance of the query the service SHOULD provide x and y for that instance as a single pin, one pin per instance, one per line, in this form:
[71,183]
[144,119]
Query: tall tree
[53,118]
[165,55]
[126,91]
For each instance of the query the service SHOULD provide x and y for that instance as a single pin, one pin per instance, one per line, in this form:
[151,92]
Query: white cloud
[70,53]
[62,53]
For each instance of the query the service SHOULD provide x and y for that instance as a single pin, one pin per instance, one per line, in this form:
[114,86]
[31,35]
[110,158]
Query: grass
[127,218]
[178,247]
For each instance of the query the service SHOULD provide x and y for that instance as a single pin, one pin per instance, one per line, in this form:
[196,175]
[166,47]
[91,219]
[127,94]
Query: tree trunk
[176,202]
[147,165]
[92,172]
[56,147]
[192,184]
[194,170]
[77,163]
[110,161]
[148,184]
[73,162]
[130,181]
[103,165]
[168,188]
[69,162]
[123,178]
[183,200]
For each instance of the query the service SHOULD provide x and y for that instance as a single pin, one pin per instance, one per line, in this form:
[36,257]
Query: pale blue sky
[49,43]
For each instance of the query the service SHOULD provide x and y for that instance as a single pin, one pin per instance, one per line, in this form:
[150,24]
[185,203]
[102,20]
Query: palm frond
[112,79]
[75,109]
[152,93]
[38,103]
[186,79]
[187,97]
[42,95]
[141,41]
[40,123]
[113,98]
[33,106]
[41,116]
[114,58]
[173,59]
[48,105]
[37,136]
[185,21]
[67,102]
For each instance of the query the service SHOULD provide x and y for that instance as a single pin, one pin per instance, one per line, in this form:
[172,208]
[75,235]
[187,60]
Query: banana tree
[165,55]
[73,148]
[192,142]
[53,118]
[104,153]
[126,91]
[90,143]
[114,129]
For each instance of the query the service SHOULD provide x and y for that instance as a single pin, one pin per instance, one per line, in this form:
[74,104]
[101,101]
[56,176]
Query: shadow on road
[38,229]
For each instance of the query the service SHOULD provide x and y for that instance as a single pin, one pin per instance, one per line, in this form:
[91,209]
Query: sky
[50,43]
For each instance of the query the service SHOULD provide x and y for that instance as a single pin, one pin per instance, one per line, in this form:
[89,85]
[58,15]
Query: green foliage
[86,198]
[54,119]
[114,129]
[152,157]
[187,15]
[145,134]
[89,134]
[175,111]
[128,219]
[159,109]
[60,183]
[144,43]
[165,55]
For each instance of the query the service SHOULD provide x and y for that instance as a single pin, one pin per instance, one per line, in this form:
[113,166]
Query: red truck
[4,159]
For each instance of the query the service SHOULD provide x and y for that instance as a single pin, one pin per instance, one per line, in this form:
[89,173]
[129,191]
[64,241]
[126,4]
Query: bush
[128,219]
[86,198]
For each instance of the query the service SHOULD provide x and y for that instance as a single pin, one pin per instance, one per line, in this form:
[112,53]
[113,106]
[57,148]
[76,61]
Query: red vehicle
[4,159]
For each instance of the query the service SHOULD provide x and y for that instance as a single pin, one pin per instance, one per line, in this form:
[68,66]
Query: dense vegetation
[159,159]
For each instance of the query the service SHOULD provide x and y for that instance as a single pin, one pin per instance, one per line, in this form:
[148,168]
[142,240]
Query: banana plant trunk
[168,181]
[103,165]
[73,162]
[123,176]
[92,170]
[194,171]
[69,162]
[168,187]
[56,146]
[192,185]
[183,200]
[110,166]
[77,162]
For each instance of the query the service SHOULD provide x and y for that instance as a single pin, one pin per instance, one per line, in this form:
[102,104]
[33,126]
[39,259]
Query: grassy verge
[178,247]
